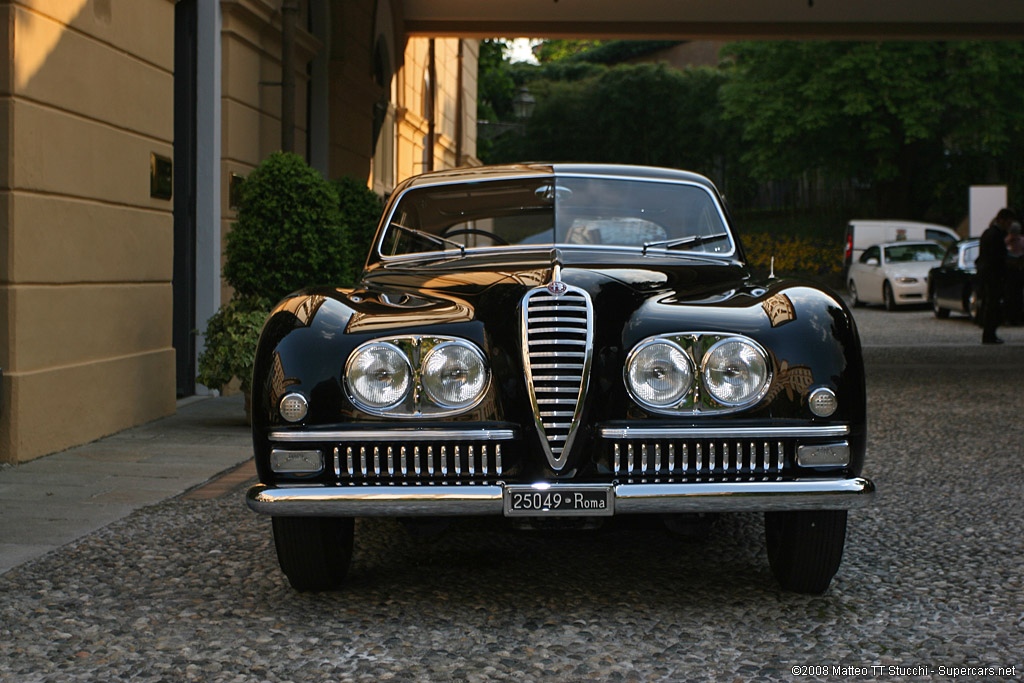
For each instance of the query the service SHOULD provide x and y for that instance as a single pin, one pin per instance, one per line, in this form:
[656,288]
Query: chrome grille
[557,346]
[423,463]
[682,459]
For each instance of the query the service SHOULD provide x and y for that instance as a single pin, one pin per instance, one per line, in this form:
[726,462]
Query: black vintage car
[951,283]
[557,344]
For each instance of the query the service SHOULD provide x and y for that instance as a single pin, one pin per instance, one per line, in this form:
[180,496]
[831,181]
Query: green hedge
[294,230]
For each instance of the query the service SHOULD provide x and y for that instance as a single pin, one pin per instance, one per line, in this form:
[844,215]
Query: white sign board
[986,200]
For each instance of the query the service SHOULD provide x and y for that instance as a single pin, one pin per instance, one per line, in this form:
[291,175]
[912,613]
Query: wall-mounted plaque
[161,176]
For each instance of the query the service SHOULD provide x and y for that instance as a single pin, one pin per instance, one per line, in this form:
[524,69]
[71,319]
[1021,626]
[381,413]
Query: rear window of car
[571,210]
[905,253]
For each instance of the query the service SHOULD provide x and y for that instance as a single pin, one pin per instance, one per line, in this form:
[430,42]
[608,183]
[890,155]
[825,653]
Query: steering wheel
[473,231]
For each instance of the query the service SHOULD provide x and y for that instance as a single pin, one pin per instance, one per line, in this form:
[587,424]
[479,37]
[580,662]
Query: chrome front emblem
[557,288]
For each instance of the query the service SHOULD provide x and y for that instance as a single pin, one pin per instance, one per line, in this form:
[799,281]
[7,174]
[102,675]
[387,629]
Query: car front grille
[698,459]
[423,463]
[557,336]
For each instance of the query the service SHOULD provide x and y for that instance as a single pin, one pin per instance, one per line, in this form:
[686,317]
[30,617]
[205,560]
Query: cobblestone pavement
[190,590]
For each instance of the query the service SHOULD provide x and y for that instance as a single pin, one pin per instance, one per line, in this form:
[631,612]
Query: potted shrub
[294,230]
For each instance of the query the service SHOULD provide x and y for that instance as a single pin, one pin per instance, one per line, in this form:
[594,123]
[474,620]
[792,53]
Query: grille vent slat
[400,464]
[699,459]
[557,344]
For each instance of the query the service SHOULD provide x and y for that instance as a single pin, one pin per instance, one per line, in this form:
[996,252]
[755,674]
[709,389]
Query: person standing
[991,263]
[1013,299]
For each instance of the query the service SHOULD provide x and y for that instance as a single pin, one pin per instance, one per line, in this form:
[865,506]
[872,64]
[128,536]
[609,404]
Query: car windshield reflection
[905,253]
[574,211]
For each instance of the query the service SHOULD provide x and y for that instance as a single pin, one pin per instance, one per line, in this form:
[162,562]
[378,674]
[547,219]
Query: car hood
[475,277]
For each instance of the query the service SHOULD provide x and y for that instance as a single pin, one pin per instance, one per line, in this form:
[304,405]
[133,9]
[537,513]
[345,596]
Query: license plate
[549,501]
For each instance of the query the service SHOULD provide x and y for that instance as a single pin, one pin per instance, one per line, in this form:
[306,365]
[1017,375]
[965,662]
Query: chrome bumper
[444,501]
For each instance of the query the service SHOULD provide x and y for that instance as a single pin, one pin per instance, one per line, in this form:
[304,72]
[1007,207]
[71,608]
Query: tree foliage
[495,86]
[895,129]
[555,50]
[902,117]
[642,114]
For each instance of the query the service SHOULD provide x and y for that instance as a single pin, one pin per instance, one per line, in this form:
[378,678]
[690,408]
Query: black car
[951,284]
[557,344]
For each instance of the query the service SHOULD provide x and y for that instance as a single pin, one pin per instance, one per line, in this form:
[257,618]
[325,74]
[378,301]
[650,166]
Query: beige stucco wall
[86,254]
[454,143]
[251,94]
[86,260]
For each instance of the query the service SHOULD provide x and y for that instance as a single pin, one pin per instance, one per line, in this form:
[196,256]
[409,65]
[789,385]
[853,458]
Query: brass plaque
[161,176]
[235,190]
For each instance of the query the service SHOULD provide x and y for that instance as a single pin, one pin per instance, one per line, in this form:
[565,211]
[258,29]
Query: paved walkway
[51,501]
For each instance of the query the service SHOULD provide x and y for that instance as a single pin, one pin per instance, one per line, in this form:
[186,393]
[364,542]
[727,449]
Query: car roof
[526,170]
[903,243]
[873,222]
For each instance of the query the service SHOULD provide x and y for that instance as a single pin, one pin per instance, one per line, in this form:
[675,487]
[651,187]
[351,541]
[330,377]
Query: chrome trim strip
[369,501]
[390,501]
[394,435]
[807,494]
[809,432]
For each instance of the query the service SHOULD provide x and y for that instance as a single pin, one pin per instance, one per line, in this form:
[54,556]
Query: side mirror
[871,262]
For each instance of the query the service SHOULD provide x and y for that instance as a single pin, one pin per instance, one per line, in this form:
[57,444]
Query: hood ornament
[556,287]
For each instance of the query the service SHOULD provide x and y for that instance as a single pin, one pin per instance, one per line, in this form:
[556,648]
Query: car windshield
[560,210]
[905,253]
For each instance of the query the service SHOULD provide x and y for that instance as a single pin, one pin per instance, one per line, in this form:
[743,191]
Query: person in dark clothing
[991,265]
[1013,297]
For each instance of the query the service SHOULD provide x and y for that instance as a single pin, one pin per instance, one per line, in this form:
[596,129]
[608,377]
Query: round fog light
[823,402]
[294,407]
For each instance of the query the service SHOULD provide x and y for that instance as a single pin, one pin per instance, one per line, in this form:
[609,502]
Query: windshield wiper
[693,240]
[436,239]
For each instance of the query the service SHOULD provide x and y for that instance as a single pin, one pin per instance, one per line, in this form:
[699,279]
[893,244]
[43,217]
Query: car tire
[940,312]
[972,305]
[314,552]
[851,287]
[888,298]
[805,548]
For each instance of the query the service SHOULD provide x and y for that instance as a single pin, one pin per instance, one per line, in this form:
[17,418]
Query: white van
[861,234]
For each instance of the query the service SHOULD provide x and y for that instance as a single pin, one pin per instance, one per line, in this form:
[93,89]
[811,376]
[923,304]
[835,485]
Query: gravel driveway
[930,587]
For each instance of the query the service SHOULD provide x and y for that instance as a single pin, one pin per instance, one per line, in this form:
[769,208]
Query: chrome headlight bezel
[428,375]
[699,400]
[358,397]
[761,386]
[417,402]
[636,355]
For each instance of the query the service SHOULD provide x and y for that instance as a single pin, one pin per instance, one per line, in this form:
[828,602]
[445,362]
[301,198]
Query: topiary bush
[360,210]
[294,230]
[289,233]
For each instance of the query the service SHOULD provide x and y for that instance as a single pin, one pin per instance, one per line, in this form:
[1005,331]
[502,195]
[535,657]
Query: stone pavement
[51,501]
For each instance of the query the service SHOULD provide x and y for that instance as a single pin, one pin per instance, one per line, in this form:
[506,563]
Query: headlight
[454,375]
[659,374]
[379,375]
[735,371]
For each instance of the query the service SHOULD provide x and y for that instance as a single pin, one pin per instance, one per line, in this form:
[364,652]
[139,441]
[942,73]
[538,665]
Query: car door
[867,275]
[944,280]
